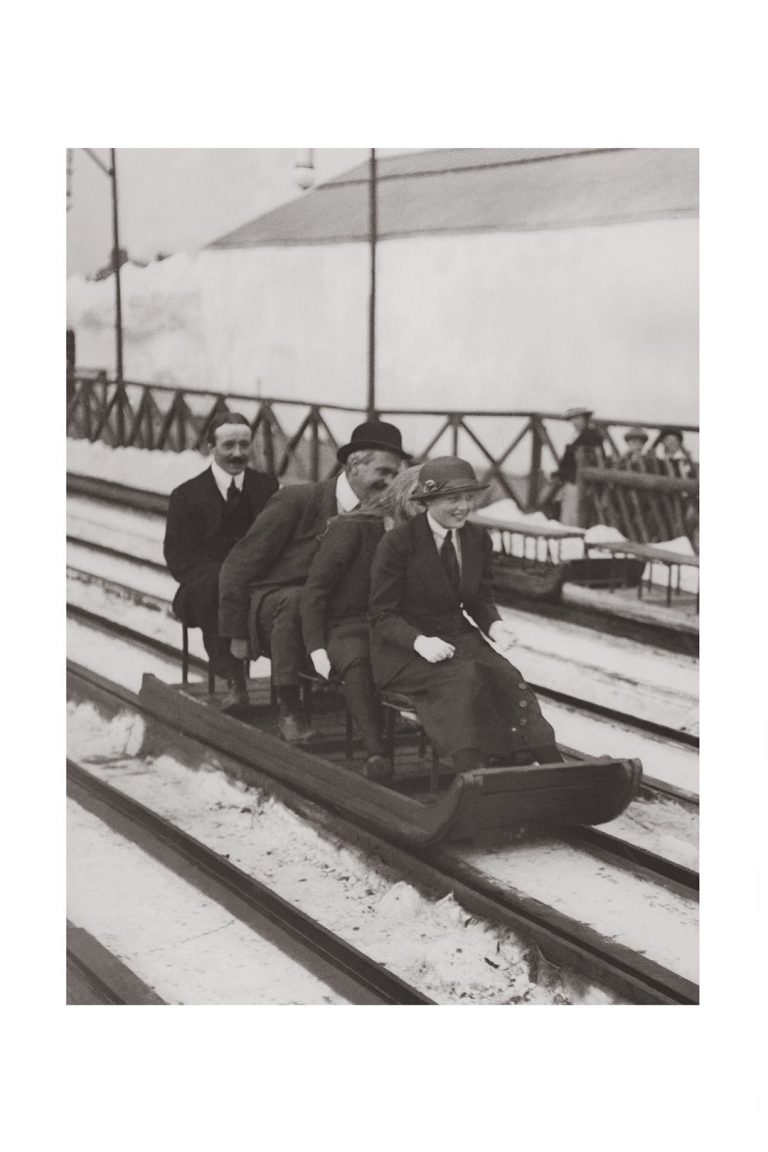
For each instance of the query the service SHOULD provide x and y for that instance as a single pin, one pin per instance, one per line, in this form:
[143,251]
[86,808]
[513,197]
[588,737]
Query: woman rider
[334,606]
[430,611]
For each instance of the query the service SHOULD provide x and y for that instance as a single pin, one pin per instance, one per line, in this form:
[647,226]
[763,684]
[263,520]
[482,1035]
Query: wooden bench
[652,555]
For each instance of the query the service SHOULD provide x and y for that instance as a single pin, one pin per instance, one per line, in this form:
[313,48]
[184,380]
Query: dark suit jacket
[275,552]
[196,538]
[339,580]
[589,438]
[411,595]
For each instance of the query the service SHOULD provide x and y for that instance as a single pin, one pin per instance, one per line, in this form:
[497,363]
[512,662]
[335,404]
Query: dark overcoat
[200,531]
[476,700]
[590,437]
[334,603]
[411,594]
[276,552]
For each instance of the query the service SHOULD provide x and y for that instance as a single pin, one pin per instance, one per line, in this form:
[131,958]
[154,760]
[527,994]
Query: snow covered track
[352,975]
[641,968]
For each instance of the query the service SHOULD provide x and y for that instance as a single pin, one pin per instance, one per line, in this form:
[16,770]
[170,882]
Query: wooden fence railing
[297,440]
[647,500]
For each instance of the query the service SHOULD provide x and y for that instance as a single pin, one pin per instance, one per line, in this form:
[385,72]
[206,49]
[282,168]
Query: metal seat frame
[395,705]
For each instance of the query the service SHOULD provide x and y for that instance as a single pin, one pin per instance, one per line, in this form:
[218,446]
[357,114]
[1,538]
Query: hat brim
[449,490]
[366,445]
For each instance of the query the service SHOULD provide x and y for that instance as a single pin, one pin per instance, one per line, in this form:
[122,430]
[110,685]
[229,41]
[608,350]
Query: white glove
[321,662]
[239,649]
[433,649]
[501,633]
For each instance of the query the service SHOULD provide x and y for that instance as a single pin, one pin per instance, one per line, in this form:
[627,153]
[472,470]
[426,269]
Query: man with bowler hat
[262,578]
[206,517]
[430,609]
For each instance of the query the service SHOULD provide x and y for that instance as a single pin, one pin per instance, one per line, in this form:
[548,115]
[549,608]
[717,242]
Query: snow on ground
[435,945]
[644,916]
[136,467]
[190,950]
[674,764]
[130,573]
[118,660]
[97,514]
[619,673]
[663,826]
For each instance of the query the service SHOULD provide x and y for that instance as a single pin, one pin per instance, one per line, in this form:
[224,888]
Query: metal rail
[96,976]
[565,941]
[362,979]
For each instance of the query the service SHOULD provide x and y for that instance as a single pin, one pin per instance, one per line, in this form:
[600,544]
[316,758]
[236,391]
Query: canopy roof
[459,190]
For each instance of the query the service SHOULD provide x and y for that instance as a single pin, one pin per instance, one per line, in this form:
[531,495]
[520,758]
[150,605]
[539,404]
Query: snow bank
[137,467]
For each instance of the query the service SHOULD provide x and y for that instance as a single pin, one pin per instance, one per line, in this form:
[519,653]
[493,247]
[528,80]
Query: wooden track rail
[565,942]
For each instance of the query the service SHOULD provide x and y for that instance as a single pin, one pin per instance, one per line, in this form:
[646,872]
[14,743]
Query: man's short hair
[222,419]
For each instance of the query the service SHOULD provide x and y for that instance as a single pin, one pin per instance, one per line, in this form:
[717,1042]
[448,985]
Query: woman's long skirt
[476,701]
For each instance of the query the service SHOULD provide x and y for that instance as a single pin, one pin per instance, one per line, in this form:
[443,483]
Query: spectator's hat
[578,410]
[376,434]
[446,476]
[671,432]
[636,434]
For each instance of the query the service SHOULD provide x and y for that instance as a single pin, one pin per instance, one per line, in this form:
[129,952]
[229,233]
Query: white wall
[605,316]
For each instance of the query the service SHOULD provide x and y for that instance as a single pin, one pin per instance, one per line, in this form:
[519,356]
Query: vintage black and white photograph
[382,549]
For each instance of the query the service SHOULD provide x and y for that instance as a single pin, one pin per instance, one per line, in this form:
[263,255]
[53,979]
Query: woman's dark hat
[671,432]
[446,476]
[636,434]
[375,434]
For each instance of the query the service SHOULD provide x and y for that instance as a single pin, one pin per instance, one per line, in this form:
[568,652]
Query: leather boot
[236,698]
[291,726]
[379,769]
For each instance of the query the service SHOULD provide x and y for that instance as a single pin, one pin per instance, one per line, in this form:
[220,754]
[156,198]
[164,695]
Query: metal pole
[372,238]
[116,267]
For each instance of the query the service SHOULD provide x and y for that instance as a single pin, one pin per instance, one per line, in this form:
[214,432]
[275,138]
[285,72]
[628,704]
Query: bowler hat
[376,434]
[446,476]
[572,413]
[636,434]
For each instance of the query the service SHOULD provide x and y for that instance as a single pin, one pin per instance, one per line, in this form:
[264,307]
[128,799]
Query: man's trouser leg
[363,703]
[279,625]
[201,610]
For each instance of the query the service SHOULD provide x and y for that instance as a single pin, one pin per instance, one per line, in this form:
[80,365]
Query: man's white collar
[224,479]
[345,497]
